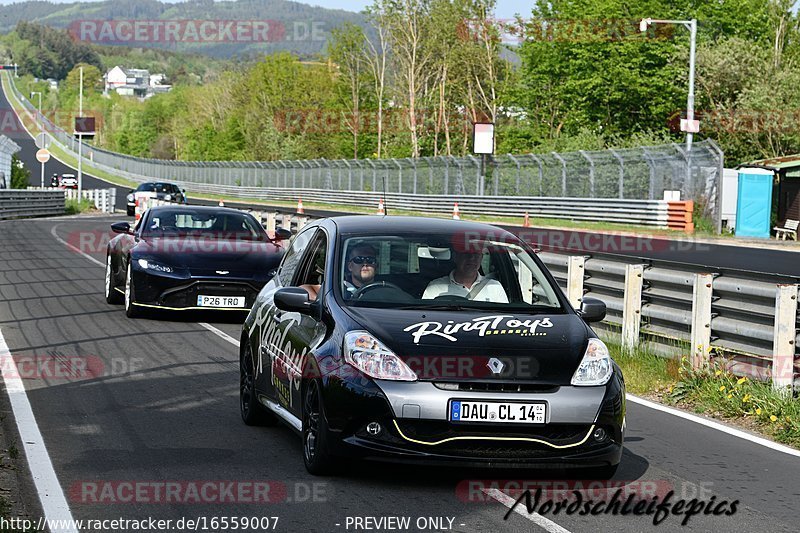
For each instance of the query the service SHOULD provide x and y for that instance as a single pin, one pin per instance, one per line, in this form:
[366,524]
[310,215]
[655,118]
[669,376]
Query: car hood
[205,257]
[460,345]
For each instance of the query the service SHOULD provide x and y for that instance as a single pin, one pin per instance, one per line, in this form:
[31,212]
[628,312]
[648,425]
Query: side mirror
[592,309]
[293,299]
[282,234]
[121,227]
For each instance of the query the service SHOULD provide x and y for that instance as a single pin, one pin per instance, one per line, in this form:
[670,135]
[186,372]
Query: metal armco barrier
[694,313]
[22,203]
[104,199]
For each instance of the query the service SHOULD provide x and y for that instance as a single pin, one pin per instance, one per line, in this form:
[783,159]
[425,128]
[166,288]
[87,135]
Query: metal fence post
[575,273]
[516,162]
[446,160]
[591,172]
[652,165]
[783,346]
[632,306]
[701,320]
[563,173]
[399,175]
[541,174]
[621,173]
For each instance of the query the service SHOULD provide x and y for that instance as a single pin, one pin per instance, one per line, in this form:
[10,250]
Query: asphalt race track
[153,401]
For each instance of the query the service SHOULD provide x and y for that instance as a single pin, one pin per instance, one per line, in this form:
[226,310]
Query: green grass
[73,207]
[712,392]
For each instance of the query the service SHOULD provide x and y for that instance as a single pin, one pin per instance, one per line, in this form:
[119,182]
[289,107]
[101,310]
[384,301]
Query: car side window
[294,254]
[310,275]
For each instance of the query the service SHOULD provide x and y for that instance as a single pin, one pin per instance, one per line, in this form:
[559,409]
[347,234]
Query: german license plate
[498,412]
[220,301]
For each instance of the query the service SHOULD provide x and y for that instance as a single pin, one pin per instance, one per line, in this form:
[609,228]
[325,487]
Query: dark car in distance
[169,192]
[429,341]
[187,257]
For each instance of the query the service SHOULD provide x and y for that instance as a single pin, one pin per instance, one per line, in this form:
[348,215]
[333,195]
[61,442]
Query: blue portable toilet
[754,202]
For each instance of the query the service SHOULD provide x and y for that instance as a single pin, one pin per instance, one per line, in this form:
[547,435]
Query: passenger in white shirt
[464,278]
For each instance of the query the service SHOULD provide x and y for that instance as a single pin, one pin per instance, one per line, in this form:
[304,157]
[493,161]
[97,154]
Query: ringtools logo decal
[485,325]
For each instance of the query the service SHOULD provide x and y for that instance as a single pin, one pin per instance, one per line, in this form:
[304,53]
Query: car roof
[386,225]
[210,209]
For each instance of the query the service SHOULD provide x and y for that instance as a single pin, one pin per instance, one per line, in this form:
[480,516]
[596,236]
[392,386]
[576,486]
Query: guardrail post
[783,346]
[701,320]
[632,306]
[575,272]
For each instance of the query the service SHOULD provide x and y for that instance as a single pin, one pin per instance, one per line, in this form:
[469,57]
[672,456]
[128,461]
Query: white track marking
[521,510]
[219,333]
[635,399]
[715,425]
[75,249]
[54,504]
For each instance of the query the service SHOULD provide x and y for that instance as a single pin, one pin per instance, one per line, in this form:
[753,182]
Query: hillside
[299,28]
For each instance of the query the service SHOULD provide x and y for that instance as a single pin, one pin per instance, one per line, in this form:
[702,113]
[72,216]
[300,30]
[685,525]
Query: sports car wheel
[316,454]
[131,212]
[131,310]
[112,294]
[253,414]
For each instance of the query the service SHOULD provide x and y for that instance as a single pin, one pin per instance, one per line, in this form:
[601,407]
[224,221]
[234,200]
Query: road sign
[43,140]
[43,156]
[690,126]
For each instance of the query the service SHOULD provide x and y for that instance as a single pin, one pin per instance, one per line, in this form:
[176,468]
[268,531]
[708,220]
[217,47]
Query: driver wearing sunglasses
[362,263]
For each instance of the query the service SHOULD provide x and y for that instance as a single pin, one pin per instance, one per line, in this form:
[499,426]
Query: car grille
[484,386]
[187,296]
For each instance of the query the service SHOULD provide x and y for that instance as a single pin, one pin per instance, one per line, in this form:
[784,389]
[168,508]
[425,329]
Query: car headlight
[150,265]
[596,367]
[167,197]
[370,356]
[130,198]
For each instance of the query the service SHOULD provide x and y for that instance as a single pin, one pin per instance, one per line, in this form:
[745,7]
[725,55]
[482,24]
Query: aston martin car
[169,192]
[182,258]
[429,341]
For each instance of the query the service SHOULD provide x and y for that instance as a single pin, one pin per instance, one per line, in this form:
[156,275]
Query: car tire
[112,294]
[601,472]
[130,211]
[253,413]
[130,294]
[316,438]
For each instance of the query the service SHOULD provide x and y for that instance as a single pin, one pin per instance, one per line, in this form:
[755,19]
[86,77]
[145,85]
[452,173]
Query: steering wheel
[374,285]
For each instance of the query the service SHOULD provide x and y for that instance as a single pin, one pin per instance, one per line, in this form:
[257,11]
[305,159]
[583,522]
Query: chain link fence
[642,173]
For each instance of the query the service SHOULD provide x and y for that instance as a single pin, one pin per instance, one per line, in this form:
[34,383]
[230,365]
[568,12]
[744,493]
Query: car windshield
[155,187]
[443,271]
[203,223]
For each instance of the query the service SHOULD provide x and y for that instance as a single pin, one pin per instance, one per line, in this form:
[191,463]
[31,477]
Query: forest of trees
[570,75]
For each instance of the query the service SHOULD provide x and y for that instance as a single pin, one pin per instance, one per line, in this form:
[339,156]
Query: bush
[20,176]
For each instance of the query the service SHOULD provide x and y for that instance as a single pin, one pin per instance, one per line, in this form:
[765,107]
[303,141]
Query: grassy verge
[712,392]
[73,207]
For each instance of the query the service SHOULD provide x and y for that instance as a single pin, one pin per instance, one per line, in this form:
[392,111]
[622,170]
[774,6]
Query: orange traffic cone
[300,206]
[456,212]
[381,209]
[221,203]
[527,222]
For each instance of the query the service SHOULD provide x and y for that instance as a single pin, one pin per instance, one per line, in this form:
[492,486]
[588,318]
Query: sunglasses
[364,260]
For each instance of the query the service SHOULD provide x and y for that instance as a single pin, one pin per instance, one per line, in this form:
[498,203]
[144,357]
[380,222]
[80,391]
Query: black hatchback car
[429,340]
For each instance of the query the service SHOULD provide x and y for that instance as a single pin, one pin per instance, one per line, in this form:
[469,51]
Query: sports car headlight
[130,198]
[150,265]
[595,367]
[370,356]
[167,197]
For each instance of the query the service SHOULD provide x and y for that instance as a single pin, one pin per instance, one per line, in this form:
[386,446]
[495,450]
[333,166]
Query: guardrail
[104,200]
[704,315]
[22,203]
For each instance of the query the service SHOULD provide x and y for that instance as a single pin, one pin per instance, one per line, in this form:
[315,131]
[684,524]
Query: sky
[505,8]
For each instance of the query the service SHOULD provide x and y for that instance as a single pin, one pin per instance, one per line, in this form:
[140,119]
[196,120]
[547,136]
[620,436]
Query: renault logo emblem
[495,365]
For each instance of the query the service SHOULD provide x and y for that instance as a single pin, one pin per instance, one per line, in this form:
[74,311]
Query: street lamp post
[691,126]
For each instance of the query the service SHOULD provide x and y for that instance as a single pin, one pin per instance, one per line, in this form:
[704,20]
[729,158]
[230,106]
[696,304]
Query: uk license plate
[220,301]
[498,412]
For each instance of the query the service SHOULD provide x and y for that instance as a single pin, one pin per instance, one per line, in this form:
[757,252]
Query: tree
[346,49]
[20,176]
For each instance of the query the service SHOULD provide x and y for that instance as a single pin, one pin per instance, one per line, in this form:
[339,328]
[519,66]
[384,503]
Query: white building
[134,82]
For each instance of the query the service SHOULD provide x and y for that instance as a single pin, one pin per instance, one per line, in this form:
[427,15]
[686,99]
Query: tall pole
[80,138]
[690,104]
[41,129]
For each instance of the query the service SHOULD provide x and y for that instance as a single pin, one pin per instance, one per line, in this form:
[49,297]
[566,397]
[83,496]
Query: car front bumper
[415,428]
[180,293]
